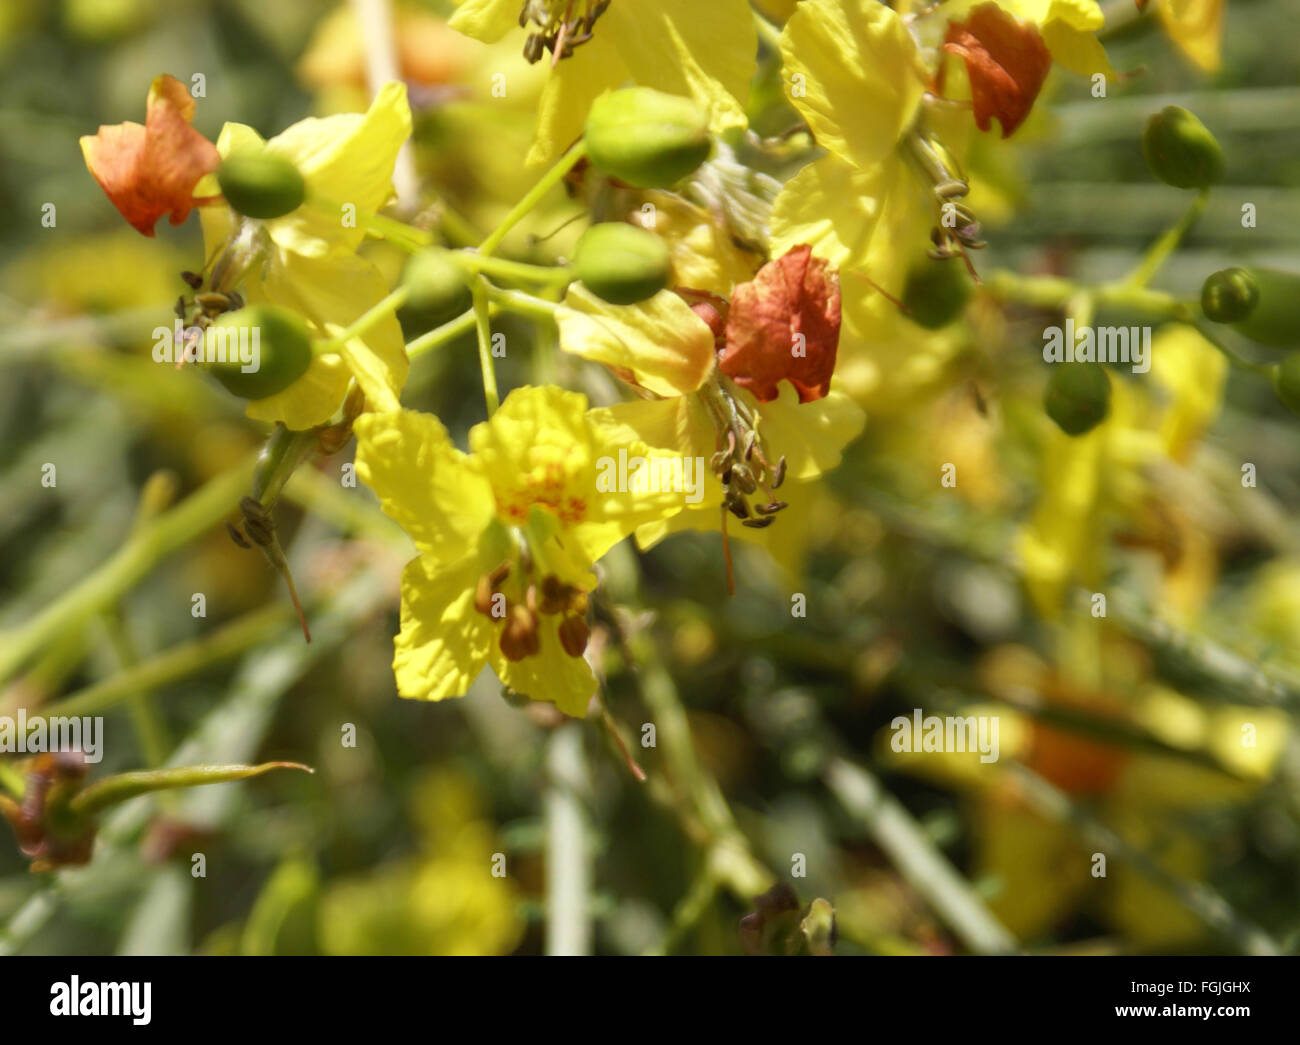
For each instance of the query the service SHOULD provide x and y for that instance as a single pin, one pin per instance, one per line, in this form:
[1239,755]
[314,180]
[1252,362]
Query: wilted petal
[1007,62]
[784,325]
[150,171]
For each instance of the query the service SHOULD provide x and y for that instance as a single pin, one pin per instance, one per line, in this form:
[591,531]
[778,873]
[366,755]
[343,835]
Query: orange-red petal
[150,171]
[784,325]
[1006,60]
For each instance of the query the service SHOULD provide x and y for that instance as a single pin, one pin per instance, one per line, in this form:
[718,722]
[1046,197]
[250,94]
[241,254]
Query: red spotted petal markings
[784,325]
[150,171]
[1007,62]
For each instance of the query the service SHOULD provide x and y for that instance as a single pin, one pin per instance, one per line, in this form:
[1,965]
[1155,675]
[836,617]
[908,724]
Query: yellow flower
[506,538]
[305,260]
[683,47]
[663,347]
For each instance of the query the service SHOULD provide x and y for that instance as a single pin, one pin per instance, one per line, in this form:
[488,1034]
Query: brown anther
[744,478]
[750,443]
[778,477]
[770,509]
[573,636]
[179,308]
[555,595]
[486,590]
[236,536]
[519,638]
[758,524]
[737,506]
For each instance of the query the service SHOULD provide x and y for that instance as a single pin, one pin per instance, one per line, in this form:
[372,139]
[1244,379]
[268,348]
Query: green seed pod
[1180,150]
[437,291]
[261,184]
[1275,318]
[936,291]
[1286,382]
[1078,396]
[257,351]
[621,264]
[1229,295]
[646,138]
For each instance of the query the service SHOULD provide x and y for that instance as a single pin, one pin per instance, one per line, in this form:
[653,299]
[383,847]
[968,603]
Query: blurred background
[1123,738]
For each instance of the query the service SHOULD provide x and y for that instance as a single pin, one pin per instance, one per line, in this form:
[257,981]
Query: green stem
[1056,292]
[1160,250]
[1207,331]
[149,727]
[439,336]
[524,304]
[568,857]
[176,663]
[122,786]
[132,561]
[369,319]
[534,196]
[548,275]
[917,859]
[768,34]
[483,325]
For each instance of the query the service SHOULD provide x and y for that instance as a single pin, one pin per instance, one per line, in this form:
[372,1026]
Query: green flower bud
[936,291]
[1286,382]
[437,288]
[257,351]
[1180,151]
[646,138]
[1078,396]
[1275,317]
[621,263]
[1229,295]
[261,184]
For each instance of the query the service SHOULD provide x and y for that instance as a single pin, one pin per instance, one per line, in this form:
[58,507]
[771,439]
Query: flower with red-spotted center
[507,535]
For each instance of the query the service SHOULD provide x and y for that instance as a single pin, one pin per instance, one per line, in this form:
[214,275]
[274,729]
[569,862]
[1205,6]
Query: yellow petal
[444,641]
[424,483]
[854,73]
[345,160]
[486,20]
[834,207]
[661,342]
[809,435]
[1196,27]
[1194,372]
[551,675]
[331,293]
[703,51]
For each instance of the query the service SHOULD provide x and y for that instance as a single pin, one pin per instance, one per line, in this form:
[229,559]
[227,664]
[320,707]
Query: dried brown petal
[784,325]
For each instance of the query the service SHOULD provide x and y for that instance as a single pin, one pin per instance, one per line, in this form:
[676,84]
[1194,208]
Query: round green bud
[1229,295]
[1180,150]
[646,138]
[261,184]
[936,291]
[257,351]
[437,290]
[1077,397]
[620,263]
[1275,319]
[1286,382]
